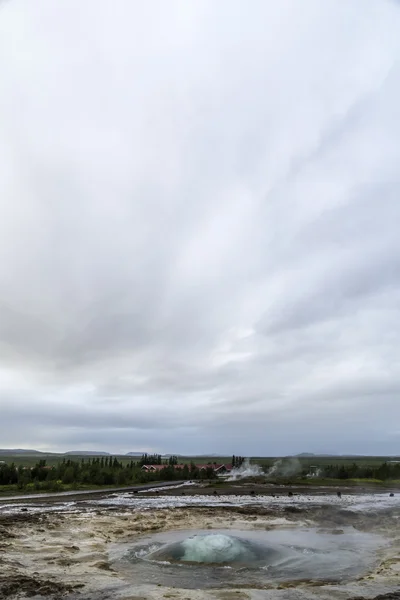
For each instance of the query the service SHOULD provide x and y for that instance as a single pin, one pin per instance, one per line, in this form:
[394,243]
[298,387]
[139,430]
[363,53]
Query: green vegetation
[323,461]
[55,472]
[88,473]
[237,461]
[318,470]
[53,459]
[383,472]
[156,459]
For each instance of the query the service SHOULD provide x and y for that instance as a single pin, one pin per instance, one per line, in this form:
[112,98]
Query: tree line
[97,471]
[384,472]
[237,461]
[109,471]
[156,459]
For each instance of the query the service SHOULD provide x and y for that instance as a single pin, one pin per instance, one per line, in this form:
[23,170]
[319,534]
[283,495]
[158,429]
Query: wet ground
[79,548]
[203,559]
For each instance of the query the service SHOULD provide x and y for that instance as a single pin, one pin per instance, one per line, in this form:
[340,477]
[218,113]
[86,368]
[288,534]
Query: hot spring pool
[219,558]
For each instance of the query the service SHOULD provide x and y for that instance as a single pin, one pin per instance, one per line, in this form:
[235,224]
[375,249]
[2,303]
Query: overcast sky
[200,226]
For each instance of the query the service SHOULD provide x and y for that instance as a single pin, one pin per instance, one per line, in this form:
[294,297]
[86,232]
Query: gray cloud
[199,226]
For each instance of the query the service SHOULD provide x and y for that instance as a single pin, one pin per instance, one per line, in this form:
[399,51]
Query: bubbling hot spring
[203,559]
[217,548]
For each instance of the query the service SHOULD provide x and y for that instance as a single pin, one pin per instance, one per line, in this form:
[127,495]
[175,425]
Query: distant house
[314,471]
[222,469]
[218,469]
[153,468]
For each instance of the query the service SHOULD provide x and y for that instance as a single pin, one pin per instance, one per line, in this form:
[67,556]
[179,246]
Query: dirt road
[89,493]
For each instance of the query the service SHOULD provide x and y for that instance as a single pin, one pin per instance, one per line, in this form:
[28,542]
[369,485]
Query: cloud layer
[200,206]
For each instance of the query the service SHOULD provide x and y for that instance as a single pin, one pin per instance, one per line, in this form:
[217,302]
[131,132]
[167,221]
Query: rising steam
[245,470]
[284,467]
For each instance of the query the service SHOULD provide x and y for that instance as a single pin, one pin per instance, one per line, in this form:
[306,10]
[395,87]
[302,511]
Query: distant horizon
[80,452]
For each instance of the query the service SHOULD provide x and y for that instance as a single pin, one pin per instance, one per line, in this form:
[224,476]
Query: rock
[104,566]
[12,585]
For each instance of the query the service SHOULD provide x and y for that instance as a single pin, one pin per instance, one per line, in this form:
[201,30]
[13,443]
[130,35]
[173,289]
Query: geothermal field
[193,541]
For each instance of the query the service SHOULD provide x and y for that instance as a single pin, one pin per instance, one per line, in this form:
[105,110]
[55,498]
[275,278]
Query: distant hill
[311,454]
[355,456]
[86,453]
[136,453]
[304,455]
[205,455]
[21,451]
[145,452]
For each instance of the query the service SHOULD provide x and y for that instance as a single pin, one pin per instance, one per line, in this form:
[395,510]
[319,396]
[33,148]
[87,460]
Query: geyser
[205,559]
[215,548]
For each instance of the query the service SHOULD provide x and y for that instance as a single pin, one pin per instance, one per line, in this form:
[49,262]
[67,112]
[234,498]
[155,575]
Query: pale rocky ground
[69,554]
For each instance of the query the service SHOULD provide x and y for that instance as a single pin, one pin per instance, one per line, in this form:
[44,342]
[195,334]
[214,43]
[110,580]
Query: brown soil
[389,596]
[274,490]
[13,585]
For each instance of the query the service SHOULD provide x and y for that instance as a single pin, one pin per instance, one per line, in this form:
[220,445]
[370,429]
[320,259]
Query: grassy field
[304,462]
[290,471]
[321,461]
[53,459]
